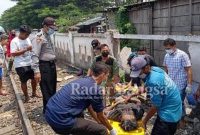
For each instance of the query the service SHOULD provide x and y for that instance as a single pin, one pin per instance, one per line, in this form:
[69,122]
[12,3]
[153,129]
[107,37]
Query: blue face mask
[50,31]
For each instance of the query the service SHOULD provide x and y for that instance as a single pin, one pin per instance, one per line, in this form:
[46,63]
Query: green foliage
[66,12]
[125,27]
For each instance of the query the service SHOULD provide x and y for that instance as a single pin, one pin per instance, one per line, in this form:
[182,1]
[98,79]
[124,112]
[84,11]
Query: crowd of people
[64,110]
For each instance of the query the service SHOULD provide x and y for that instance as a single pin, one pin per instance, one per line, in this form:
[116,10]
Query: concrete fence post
[71,43]
[114,42]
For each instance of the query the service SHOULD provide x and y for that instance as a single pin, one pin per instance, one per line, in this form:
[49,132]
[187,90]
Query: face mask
[169,51]
[50,31]
[105,54]
[141,55]
[142,76]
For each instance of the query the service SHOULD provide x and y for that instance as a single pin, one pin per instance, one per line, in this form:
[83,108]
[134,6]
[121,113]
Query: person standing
[164,96]
[43,60]
[21,51]
[178,66]
[12,35]
[114,68]
[3,42]
[96,47]
[142,52]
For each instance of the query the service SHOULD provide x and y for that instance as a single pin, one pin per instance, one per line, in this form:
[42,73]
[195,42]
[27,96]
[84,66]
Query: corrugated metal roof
[91,21]
[133,4]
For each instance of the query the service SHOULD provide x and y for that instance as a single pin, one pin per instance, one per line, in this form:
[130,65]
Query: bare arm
[189,74]
[93,114]
[20,52]
[104,120]
[150,113]
[166,70]
[89,73]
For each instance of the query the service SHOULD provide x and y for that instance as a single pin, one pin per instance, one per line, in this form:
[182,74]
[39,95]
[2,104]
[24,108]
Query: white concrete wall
[76,49]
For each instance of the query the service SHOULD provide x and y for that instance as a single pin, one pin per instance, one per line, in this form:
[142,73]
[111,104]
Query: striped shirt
[176,64]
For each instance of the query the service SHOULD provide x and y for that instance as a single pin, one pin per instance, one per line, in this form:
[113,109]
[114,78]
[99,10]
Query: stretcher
[120,131]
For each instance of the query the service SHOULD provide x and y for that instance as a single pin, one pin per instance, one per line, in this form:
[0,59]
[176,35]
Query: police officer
[43,60]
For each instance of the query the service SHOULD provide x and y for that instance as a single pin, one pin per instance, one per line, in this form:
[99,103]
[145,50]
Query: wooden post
[190,17]
[151,29]
[169,16]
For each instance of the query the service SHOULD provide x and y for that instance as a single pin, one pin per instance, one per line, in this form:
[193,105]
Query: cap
[136,66]
[50,22]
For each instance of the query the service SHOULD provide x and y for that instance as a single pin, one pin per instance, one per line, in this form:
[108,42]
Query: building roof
[131,5]
[90,21]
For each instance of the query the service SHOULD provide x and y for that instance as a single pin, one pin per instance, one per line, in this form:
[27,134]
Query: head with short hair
[100,71]
[24,32]
[170,45]
[141,50]
[105,51]
[169,42]
[4,39]
[49,25]
[13,33]
[95,43]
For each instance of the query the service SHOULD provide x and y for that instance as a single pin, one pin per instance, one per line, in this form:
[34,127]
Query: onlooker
[8,54]
[164,95]
[96,46]
[3,42]
[64,111]
[112,63]
[178,66]
[43,60]
[96,49]
[21,51]
[141,51]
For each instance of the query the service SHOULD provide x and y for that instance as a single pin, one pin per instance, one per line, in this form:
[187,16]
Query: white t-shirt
[24,59]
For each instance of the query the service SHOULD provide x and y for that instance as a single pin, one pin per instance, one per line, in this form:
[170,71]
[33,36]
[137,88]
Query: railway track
[13,117]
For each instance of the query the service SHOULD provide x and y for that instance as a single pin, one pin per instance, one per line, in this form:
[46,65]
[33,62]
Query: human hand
[113,132]
[188,89]
[29,48]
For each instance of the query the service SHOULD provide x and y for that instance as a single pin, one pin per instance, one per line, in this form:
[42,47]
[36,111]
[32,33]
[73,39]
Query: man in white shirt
[21,50]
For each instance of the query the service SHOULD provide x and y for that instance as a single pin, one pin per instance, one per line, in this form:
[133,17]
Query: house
[161,17]
[94,25]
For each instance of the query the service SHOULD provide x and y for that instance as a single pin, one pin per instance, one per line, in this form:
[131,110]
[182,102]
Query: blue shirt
[176,64]
[63,108]
[164,95]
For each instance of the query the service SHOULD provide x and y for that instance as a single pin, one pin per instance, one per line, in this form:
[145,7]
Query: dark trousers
[83,127]
[48,81]
[164,128]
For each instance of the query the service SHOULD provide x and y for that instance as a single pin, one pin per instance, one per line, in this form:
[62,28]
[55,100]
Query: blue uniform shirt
[63,108]
[164,95]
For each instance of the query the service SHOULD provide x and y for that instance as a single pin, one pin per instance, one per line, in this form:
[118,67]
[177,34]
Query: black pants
[48,81]
[83,127]
[164,128]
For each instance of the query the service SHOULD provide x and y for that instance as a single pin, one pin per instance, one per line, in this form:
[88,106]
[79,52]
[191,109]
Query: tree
[66,12]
